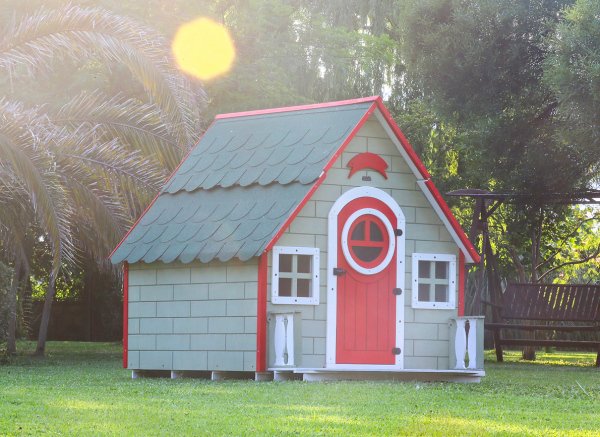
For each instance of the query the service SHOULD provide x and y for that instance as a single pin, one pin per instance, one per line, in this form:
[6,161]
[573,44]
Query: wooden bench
[552,304]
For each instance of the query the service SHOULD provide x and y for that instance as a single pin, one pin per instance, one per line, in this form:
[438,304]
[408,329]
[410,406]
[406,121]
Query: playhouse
[301,242]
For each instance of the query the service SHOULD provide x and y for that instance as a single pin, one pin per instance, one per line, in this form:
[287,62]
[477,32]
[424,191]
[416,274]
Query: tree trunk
[43,332]
[11,343]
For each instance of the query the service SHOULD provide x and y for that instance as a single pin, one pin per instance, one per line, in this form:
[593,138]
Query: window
[433,281]
[295,275]
[368,241]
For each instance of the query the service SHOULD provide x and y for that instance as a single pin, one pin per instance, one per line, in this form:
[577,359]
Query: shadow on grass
[546,358]
[61,352]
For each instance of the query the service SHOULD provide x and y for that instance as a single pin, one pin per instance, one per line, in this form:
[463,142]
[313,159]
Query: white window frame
[391,241]
[315,285]
[451,260]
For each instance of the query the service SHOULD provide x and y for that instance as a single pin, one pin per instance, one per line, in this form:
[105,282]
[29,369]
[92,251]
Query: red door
[366,303]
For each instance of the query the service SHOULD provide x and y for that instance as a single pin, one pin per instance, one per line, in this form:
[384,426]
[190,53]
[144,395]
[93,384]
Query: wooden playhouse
[301,242]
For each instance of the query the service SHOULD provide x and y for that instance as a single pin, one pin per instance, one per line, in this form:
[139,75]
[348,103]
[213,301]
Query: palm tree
[80,174]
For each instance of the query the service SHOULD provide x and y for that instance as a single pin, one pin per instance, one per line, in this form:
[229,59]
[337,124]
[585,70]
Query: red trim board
[125,312]
[405,144]
[321,178]
[261,314]
[297,108]
[453,222]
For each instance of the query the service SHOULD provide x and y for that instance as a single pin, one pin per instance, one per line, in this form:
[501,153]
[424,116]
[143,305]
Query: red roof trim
[297,108]
[429,183]
[321,178]
[159,191]
[453,222]
[407,147]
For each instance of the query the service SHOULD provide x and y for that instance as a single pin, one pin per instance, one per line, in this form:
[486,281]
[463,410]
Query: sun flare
[204,49]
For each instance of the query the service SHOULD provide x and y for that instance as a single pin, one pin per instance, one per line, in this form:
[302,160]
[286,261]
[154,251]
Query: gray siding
[426,331]
[193,317]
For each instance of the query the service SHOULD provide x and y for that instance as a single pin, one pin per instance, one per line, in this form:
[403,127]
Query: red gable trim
[453,222]
[429,183]
[297,108]
[319,181]
[158,194]
[416,161]
[405,144]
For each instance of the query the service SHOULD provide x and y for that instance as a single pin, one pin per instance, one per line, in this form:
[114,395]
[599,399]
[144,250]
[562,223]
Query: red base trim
[261,315]
[461,284]
[125,312]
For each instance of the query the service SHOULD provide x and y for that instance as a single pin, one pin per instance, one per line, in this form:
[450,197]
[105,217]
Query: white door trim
[332,231]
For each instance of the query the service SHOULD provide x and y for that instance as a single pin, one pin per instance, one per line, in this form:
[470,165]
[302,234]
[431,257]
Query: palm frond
[74,31]
[22,137]
[137,125]
[81,156]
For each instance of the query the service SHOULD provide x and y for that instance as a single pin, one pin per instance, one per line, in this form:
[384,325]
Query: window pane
[424,293]
[441,270]
[424,269]
[285,262]
[285,287]
[366,254]
[376,234]
[359,232]
[441,293]
[304,263]
[304,288]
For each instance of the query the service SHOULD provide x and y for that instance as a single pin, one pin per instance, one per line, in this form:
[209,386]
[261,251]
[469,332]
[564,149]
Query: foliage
[573,72]
[77,172]
[81,387]
[480,66]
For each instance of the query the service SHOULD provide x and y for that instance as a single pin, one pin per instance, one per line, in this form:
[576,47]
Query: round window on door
[368,241]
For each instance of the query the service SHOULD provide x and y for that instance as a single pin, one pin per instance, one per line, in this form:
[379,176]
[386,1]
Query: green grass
[81,389]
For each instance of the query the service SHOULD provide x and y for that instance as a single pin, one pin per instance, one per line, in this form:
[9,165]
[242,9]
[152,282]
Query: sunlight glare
[203,48]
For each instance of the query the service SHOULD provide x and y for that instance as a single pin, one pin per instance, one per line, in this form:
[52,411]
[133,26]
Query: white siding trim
[451,260]
[315,283]
[342,201]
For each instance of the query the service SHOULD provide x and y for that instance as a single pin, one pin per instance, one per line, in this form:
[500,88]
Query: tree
[78,174]
[572,72]
[480,65]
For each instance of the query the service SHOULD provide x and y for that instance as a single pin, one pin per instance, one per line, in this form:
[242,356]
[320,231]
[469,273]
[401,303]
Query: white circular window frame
[392,241]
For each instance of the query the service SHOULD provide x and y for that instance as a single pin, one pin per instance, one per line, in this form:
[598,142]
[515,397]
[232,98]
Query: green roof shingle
[239,185]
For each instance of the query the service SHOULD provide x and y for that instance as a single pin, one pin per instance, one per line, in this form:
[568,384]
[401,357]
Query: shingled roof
[238,189]
[240,183]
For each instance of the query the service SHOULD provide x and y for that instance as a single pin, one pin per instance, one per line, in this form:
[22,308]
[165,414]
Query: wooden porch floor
[313,375]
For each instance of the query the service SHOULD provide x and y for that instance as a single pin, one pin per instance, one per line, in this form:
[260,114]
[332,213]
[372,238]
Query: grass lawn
[81,389]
